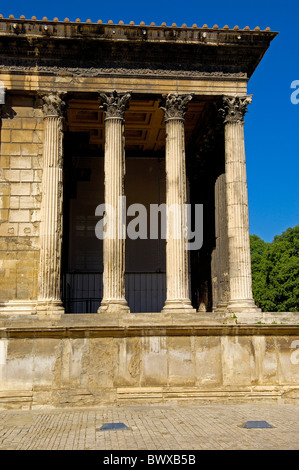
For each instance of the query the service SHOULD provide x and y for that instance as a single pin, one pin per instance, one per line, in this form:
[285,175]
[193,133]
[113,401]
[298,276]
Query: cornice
[67,28]
[113,48]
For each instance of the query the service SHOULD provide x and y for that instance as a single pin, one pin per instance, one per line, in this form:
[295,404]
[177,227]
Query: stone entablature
[200,52]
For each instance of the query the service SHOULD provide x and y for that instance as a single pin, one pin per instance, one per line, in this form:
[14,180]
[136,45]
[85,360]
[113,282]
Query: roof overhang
[33,43]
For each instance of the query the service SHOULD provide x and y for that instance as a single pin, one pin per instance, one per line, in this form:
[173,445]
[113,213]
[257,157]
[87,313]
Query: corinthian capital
[234,108]
[53,104]
[115,104]
[175,105]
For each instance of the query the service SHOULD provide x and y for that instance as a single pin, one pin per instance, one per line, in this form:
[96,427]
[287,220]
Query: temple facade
[131,119]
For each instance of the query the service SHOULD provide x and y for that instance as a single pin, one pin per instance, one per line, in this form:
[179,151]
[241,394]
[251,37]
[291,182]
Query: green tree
[275,271]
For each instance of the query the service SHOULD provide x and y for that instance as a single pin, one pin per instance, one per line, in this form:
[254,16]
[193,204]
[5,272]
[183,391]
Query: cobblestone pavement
[152,427]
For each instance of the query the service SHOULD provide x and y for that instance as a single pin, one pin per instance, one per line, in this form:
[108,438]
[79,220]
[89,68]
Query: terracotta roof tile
[142,23]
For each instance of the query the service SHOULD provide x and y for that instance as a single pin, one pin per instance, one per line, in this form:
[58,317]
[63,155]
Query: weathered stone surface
[101,361]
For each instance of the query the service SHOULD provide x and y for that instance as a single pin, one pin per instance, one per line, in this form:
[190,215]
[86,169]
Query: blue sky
[272,122]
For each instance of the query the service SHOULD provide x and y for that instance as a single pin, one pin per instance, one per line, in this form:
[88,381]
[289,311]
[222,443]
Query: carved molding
[175,105]
[53,104]
[119,69]
[234,108]
[115,104]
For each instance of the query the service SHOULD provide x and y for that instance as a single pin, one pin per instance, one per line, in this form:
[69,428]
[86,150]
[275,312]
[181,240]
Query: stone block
[35,216]
[21,162]
[74,361]
[4,189]
[29,148]
[28,229]
[37,162]
[14,202]
[24,112]
[3,215]
[38,136]
[10,148]
[101,369]
[23,243]
[128,363]
[154,359]
[19,216]
[9,229]
[180,361]
[32,124]
[288,359]
[47,362]
[19,350]
[22,136]
[4,160]
[4,202]
[35,189]
[15,123]
[20,189]
[264,349]
[26,276]
[26,175]
[238,361]
[37,176]
[3,243]
[208,363]
[11,175]
[29,202]
[5,135]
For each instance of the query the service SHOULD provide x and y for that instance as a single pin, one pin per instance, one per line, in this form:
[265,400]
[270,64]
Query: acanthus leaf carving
[115,104]
[53,104]
[234,108]
[175,105]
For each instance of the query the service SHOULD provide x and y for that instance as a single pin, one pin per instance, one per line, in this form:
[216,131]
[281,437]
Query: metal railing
[83,292]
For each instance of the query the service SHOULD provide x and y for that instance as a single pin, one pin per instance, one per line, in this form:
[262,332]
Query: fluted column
[241,298]
[49,299]
[114,106]
[177,281]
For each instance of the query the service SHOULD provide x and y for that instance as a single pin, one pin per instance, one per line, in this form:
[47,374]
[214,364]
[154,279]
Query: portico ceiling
[144,123]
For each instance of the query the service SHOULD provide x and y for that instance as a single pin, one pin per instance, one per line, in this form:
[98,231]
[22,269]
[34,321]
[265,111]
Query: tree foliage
[275,271]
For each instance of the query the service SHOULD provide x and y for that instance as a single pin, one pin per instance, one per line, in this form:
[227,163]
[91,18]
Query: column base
[220,307]
[114,306]
[202,307]
[242,305]
[49,307]
[178,306]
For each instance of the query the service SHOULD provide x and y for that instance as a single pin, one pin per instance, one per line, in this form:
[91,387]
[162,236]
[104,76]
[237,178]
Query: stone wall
[85,360]
[20,175]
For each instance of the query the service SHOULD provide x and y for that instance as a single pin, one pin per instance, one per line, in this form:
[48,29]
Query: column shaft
[49,297]
[241,298]
[177,272]
[114,244]
[114,248]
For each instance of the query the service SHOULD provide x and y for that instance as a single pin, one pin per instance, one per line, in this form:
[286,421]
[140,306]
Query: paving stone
[177,427]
